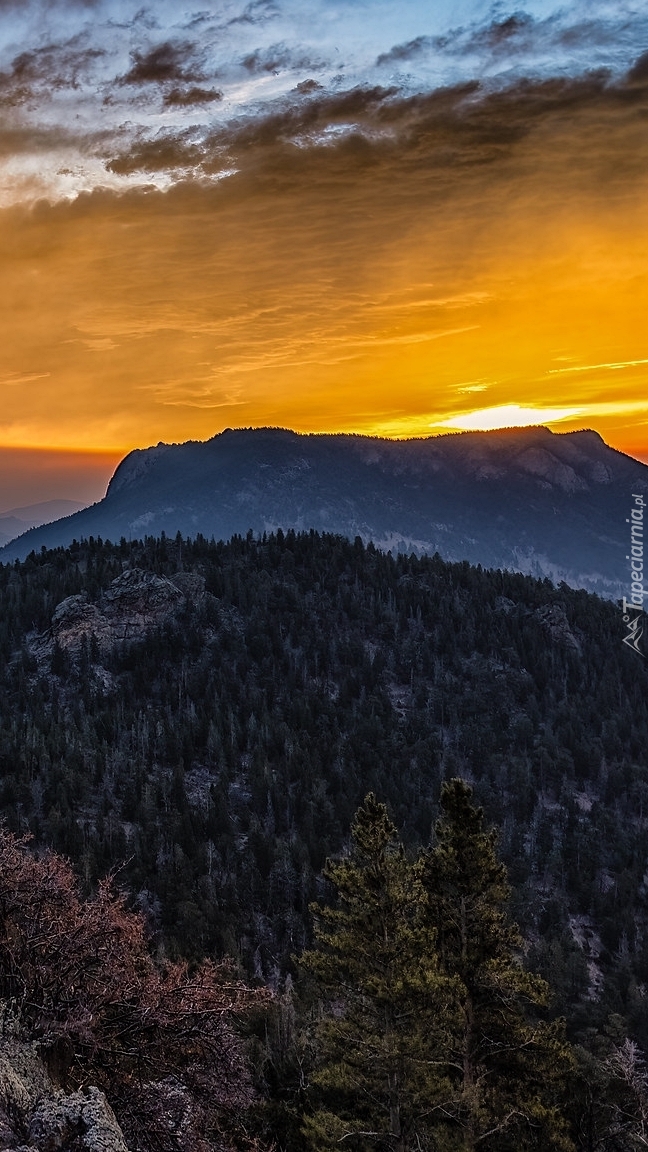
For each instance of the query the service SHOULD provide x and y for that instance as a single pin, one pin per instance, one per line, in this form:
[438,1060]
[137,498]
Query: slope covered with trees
[219,745]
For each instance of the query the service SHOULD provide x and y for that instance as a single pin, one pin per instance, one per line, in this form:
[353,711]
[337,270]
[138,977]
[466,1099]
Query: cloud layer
[82,82]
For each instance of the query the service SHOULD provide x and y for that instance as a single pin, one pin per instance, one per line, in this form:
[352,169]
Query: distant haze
[15,521]
[31,476]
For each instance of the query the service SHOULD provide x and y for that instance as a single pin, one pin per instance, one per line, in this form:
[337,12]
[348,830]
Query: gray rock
[35,1116]
[134,603]
[556,625]
[83,1121]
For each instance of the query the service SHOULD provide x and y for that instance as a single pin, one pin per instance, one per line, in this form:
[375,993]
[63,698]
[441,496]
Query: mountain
[15,521]
[531,500]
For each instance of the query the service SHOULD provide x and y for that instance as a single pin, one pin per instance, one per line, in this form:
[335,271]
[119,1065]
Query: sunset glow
[389,236]
[508,416]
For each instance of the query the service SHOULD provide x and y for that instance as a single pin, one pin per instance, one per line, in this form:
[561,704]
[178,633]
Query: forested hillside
[208,717]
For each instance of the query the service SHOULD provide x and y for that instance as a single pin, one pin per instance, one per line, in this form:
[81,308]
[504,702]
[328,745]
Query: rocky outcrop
[35,1116]
[556,626]
[81,1120]
[133,604]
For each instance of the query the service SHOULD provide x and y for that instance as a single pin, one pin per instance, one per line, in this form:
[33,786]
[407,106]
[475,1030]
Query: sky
[394,218]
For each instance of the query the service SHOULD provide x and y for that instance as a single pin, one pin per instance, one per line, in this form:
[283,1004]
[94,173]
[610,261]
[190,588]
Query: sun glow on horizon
[506,416]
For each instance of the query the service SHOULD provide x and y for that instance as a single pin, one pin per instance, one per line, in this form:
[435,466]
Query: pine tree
[382,999]
[506,1065]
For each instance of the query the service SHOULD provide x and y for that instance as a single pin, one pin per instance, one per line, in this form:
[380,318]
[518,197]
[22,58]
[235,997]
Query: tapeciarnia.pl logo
[633,610]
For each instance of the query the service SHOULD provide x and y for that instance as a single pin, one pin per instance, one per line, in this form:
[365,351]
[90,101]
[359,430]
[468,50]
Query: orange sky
[33,475]
[453,254]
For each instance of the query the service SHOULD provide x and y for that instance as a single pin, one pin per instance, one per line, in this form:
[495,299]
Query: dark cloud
[461,125]
[500,35]
[587,35]
[291,122]
[279,58]
[169,61]
[257,12]
[234,142]
[36,74]
[198,20]
[435,136]
[638,74]
[306,87]
[511,34]
[15,92]
[14,141]
[520,33]
[54,65]
[502,32]
[408,51]
[184,97]
[167,152]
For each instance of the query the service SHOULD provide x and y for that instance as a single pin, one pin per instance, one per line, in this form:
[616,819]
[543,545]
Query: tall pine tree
[507,1065]
[382,1000]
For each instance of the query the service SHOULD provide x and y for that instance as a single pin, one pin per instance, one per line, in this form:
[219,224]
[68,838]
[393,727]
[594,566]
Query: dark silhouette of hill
[528,499]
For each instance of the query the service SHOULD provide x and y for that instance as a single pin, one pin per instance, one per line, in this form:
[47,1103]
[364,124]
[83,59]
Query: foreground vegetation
[78,979]
[415,1026]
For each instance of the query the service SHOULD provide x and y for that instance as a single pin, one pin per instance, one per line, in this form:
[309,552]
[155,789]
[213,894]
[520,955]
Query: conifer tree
[382,999]
[506,1065]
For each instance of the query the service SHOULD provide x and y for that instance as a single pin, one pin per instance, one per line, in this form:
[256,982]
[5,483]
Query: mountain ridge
[15,522]
[529,499]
